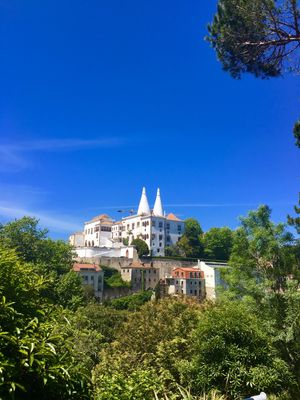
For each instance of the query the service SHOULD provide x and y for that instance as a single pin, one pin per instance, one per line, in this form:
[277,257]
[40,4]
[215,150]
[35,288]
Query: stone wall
[165,266]
[116,292]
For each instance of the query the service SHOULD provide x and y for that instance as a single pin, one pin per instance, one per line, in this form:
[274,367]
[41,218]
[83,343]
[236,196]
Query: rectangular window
[160,225]
[160,237]
[138,225]
[168,226]
[153,223]
[132,226]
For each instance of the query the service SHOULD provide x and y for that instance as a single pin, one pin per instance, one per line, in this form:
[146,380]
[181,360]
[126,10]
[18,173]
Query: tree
[141,247]
[258,36]
[264,273]
[234,353]
[37,355]
[69,290]
[147,353]
[32,245]
[261,256]
[24,236]
[218,243]
[190,244]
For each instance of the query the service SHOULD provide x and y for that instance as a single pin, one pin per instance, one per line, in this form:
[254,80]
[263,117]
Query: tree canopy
[261,37]
[218,243]
[141,247]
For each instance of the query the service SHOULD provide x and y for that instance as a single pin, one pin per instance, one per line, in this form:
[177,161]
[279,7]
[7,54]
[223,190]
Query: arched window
[86,243]
[92,243]
[127,253]
[89,244]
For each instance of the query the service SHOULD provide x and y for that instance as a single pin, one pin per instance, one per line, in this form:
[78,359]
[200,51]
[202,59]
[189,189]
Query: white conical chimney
[158,209]
[144,205]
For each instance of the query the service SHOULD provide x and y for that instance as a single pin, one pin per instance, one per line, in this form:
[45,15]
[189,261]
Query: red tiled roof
[186,269]
[173,217]
[77,267]
[137,264]
[185,272]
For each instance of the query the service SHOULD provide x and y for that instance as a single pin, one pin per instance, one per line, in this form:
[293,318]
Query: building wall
[97,234]
[95,253]
[140,278]
[188,287]
[94,279]
[212,276]
[157,232]
[77,239]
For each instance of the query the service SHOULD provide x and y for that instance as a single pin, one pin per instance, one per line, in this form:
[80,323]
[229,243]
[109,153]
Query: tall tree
[218,243]
[190,244]
[258,36]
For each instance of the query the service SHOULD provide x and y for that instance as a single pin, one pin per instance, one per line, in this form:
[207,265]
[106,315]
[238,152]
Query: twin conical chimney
[144,208]
[158,209]
[144,205]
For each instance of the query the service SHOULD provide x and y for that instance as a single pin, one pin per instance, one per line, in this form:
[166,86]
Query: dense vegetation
[56,342]
[215,244]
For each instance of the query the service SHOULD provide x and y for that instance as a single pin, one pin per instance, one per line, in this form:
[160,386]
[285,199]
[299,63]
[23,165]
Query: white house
[213,277]
[97,232]
[77,239]
[153,226]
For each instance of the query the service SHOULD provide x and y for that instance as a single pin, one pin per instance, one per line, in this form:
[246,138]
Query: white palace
[156,228]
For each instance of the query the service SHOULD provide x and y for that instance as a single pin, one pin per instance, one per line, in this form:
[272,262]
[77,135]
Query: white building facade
[153,226]
[156,228]
[213,277]
[97,232]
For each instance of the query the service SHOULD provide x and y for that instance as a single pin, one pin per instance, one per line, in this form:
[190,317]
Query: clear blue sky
[99,98]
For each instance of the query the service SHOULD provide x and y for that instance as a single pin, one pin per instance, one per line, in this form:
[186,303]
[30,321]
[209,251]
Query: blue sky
[99,98]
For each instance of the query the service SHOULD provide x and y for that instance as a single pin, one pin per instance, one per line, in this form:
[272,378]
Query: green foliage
[261,256]
[257,36]
[30,336]
[218,243]
[24,236]
[69,290]
[296,132]
[155,340]
[113,278]
[172,251]
[32,245]
[140,384]
[295,221]
[141,247]
[132,302]
[190,244]
[102,319]
[264,273]
[234,353]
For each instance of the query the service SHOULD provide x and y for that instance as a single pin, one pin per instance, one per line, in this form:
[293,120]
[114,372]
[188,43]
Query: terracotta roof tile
[173,217]
[77,267]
